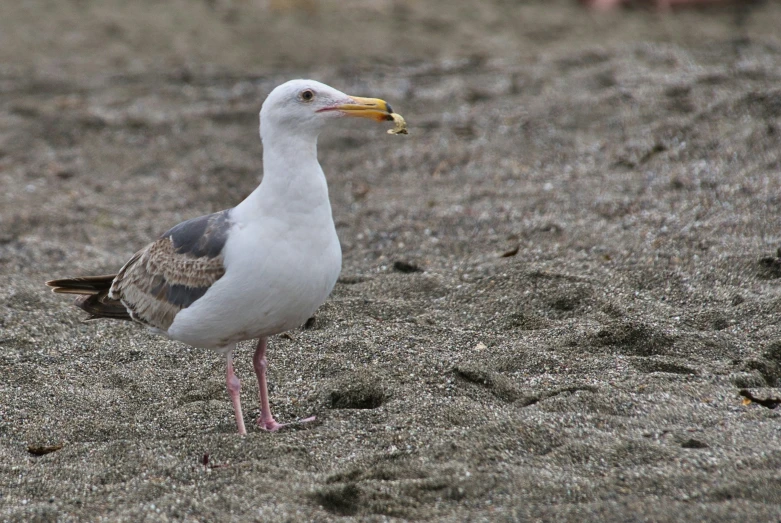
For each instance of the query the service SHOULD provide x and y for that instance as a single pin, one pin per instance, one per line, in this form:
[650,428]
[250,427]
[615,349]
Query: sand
[554,289]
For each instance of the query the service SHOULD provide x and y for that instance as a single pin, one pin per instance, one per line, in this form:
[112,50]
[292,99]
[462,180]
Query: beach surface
[559,291]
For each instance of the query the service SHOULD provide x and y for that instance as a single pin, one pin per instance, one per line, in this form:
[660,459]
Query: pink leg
[266,421]
[234,390]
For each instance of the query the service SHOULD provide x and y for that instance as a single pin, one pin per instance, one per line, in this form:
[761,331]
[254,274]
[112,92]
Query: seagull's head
[305,107]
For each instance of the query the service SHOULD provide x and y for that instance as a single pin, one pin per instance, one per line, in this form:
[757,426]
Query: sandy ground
[592,203]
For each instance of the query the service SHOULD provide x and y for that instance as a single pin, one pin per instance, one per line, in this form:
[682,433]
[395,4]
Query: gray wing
[173,272]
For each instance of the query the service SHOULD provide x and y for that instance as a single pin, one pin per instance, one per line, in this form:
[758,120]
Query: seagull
[258,269]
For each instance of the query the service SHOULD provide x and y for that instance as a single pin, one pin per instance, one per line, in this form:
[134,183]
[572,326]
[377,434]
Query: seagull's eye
[307,95]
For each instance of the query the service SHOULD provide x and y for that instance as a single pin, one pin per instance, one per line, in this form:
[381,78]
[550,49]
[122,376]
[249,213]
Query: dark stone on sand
[406,267]
[694,444]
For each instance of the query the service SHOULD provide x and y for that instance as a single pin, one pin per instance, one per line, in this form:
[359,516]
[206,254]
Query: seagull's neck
[293,181]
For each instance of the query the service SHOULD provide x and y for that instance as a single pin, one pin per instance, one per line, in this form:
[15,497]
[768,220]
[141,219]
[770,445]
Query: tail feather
[100,306]
[93,296]
[84,285]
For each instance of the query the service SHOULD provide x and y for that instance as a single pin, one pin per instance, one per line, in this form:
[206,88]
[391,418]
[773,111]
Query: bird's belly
[261,294]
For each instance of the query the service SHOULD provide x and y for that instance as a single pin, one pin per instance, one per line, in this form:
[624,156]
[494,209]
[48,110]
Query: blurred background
[103,100]
[76,38]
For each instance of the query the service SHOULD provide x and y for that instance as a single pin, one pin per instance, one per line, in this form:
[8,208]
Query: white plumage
[282,256]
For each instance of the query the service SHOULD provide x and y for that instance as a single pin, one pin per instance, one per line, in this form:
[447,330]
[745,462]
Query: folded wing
[160,280]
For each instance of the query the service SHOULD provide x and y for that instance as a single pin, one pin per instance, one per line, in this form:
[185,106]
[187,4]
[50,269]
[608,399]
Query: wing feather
[173,272]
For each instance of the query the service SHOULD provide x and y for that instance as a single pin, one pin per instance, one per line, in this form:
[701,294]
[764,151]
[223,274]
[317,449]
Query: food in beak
[401,125]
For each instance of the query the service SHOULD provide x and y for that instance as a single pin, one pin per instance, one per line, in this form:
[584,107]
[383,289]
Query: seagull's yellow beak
[373,108]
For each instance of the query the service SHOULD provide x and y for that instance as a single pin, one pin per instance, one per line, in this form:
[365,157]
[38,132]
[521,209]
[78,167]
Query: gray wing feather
[201,237]
[175,271]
